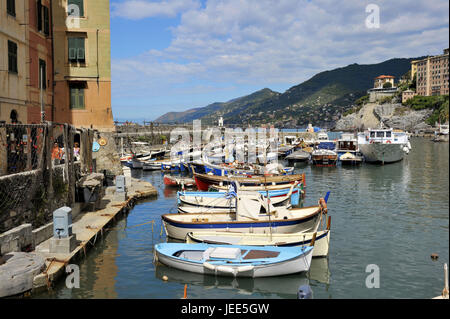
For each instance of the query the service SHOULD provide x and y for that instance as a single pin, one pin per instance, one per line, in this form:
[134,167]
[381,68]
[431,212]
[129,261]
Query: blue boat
[235,260]
[212,199]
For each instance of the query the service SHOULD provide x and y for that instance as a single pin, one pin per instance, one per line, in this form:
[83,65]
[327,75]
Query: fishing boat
[178,181]
[383,145]
[298,156]
[204,181]
[151,165]
[321,246]
[221,201]
[235,260]
[252,214]
[324,157]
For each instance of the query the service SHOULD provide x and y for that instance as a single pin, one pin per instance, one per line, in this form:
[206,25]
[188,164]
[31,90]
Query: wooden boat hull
[175,182]
[218,199]
[321,246]
[263,262]
[204,181]
[178,225]
[324,159]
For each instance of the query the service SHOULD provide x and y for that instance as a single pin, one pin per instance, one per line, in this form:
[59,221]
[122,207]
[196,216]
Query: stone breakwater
[393,115]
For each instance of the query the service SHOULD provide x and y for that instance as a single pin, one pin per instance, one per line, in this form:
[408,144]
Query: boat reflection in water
[280,286]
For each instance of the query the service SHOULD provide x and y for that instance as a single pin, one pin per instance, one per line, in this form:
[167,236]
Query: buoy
[185,292]
[165,278]
[304,292]
[434,256]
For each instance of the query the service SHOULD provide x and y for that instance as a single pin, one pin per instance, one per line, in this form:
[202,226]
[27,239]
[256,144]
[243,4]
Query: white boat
[350,158]
[235,260]
[321,246]
[253,214]
[204,201]
[383,145]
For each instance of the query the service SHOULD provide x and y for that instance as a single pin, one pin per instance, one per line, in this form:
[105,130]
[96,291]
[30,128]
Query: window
[388,134]
[46,21]
[71,10]
[39,15]
[12,57]
[76,49]
[43,18]
[42,74]
[11,7]
[380,134]
[77,95]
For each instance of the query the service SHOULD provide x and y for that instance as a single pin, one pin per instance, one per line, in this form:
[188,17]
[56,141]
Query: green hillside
[320,100]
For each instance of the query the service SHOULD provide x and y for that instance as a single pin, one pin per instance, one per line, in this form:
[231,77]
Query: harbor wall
[27,199]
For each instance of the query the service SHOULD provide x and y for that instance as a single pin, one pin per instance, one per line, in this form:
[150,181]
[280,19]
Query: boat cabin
[347,143]
[290,140]
[322,136]
[383,136]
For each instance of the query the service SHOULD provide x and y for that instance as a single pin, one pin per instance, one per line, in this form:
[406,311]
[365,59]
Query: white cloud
[265,42]
[139,9]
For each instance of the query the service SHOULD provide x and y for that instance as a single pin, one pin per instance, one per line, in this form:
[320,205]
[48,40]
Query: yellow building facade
[82,63]
[13,61]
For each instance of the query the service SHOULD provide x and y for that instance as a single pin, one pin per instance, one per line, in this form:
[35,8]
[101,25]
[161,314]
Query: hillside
[320,100]
[211,112]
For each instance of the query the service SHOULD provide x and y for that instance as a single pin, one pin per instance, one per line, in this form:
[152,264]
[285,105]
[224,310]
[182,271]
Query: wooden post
[48,159]
[29,142]
[3,151]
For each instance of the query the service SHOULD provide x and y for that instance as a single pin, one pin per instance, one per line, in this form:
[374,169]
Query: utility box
[120,184]
[62,222]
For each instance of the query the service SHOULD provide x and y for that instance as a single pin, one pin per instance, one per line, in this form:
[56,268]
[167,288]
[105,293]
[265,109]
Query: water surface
[393,216]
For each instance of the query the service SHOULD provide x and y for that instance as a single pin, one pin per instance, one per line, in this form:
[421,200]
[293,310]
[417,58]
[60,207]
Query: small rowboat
[298,156]
[178,181]
[204,181]
[350,159]
[321,245]
[324,157]
[219,199]
[235,260]
[251,218]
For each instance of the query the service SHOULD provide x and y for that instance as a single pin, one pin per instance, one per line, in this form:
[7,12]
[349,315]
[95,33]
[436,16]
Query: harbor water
[385,220]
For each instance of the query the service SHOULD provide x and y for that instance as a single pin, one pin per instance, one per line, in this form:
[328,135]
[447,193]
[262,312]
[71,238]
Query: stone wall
[28,197]
[107,158]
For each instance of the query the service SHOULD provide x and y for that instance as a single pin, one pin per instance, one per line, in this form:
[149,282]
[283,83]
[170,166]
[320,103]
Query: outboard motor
[304,292]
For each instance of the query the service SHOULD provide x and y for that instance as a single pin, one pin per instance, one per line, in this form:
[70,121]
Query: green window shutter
[78,3]
[76,49]
[80,50]
[76,96]
[72,98]
[81,98]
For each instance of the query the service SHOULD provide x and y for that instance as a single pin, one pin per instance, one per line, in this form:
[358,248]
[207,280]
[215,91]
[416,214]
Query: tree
[387,85]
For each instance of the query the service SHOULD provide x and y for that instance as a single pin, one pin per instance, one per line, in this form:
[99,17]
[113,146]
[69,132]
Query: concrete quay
[88,226]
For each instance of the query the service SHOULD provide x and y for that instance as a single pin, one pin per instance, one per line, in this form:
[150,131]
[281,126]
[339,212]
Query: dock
[88,226]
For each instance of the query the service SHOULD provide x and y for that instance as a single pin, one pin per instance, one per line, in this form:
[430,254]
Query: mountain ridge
[321,100]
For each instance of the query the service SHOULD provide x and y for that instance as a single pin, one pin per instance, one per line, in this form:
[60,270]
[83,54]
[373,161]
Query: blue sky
[172,55]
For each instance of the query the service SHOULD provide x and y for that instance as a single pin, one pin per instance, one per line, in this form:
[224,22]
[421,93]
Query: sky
[173,55]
